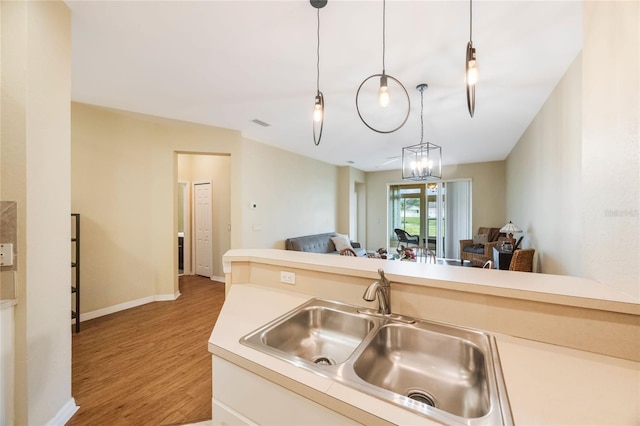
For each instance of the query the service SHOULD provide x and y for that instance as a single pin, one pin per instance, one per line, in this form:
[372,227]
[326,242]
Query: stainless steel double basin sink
[446,373]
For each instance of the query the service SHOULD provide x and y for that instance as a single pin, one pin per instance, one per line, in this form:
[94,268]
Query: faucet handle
[381,273]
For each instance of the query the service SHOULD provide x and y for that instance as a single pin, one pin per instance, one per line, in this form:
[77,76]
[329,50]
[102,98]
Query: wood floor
[148,365]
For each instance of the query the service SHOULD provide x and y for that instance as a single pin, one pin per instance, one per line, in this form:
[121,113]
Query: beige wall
[217,170]
[544,179]
[610,146]
[574,177]
[352,203]
[295,196]
[36,74]
[488,197]
[124,172]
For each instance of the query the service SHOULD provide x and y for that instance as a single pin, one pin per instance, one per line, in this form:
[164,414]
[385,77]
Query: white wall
[36,72]
[544,179]
[610,145]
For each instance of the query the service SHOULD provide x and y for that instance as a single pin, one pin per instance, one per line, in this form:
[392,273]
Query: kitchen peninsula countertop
[546,384]
[557,289]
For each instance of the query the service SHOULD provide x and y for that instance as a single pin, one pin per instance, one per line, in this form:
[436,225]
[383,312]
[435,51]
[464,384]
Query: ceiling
[226,63]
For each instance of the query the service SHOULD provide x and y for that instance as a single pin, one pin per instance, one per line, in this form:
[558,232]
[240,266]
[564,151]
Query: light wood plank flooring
[148,365]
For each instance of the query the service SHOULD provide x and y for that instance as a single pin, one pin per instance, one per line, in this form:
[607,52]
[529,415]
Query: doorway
[194,171]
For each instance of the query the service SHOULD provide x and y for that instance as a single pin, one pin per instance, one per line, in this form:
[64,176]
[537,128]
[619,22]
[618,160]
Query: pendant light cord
[384,31]
[422,116]
[470,20]
[318,56]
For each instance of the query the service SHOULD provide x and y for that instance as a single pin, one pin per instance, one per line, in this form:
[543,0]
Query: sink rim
[499,406]
[254,338]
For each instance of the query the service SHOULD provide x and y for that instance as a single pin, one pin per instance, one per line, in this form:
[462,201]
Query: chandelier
[424,160]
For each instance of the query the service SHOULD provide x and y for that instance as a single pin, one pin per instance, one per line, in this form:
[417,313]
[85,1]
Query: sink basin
[324,333]
[446,373]
[440,370]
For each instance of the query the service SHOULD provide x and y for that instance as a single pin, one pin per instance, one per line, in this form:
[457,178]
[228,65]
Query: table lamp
[509,229]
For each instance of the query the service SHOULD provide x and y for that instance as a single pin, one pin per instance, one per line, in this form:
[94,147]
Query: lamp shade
[510,228]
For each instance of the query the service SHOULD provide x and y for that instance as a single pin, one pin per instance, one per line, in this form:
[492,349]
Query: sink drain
[323,360]
[422,397]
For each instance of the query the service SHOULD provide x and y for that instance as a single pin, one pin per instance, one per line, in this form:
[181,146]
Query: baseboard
[166,297]
[219,279]
[127,305]
[64,414]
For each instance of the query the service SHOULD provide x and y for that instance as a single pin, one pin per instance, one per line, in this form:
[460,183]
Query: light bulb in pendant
[472,69]
[317,110]
[383,94]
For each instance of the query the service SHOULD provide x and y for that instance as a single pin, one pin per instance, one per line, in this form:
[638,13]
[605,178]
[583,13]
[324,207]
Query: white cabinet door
[256,400]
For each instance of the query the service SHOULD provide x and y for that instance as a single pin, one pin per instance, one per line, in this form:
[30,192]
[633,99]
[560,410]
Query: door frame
[186,217]
[193,221]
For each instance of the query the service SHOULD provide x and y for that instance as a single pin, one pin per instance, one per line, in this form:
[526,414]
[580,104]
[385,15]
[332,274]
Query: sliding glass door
[439,212]
[406,211]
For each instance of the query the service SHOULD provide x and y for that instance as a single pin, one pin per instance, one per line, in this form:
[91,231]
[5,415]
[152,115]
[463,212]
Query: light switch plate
[6,254]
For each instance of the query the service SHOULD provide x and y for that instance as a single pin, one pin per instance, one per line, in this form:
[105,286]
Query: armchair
[481,250]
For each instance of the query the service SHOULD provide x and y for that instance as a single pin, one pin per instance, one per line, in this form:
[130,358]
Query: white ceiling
[225,63]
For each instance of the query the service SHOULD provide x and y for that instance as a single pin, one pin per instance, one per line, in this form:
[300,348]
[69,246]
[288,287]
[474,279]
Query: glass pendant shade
[422,161]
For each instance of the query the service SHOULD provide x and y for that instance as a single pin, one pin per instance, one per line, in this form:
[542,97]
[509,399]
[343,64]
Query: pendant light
[381,109]
[424,160]
[318,107]
[471,67]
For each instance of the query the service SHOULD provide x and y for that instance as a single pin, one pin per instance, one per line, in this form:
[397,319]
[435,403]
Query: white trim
[127,305]
[166,297]
[221,279]
[64,414]
[186,215]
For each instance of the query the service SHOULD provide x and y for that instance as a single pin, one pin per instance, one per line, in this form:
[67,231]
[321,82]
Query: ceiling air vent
[261,123]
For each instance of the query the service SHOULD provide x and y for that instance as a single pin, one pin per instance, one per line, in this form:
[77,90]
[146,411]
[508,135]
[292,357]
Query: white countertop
[566,290]
[547,384]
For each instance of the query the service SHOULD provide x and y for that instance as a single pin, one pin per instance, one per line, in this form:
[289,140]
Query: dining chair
[348,252]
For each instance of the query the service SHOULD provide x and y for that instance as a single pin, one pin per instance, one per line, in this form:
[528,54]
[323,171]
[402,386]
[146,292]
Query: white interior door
[203,237]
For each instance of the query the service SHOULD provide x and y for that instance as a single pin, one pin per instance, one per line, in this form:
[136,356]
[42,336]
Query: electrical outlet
[287,277]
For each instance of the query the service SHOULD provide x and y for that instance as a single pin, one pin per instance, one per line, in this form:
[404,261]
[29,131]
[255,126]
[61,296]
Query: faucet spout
[370,293]
[382,291]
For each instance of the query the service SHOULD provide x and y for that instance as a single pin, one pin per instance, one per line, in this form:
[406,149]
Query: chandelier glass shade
[424,160]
